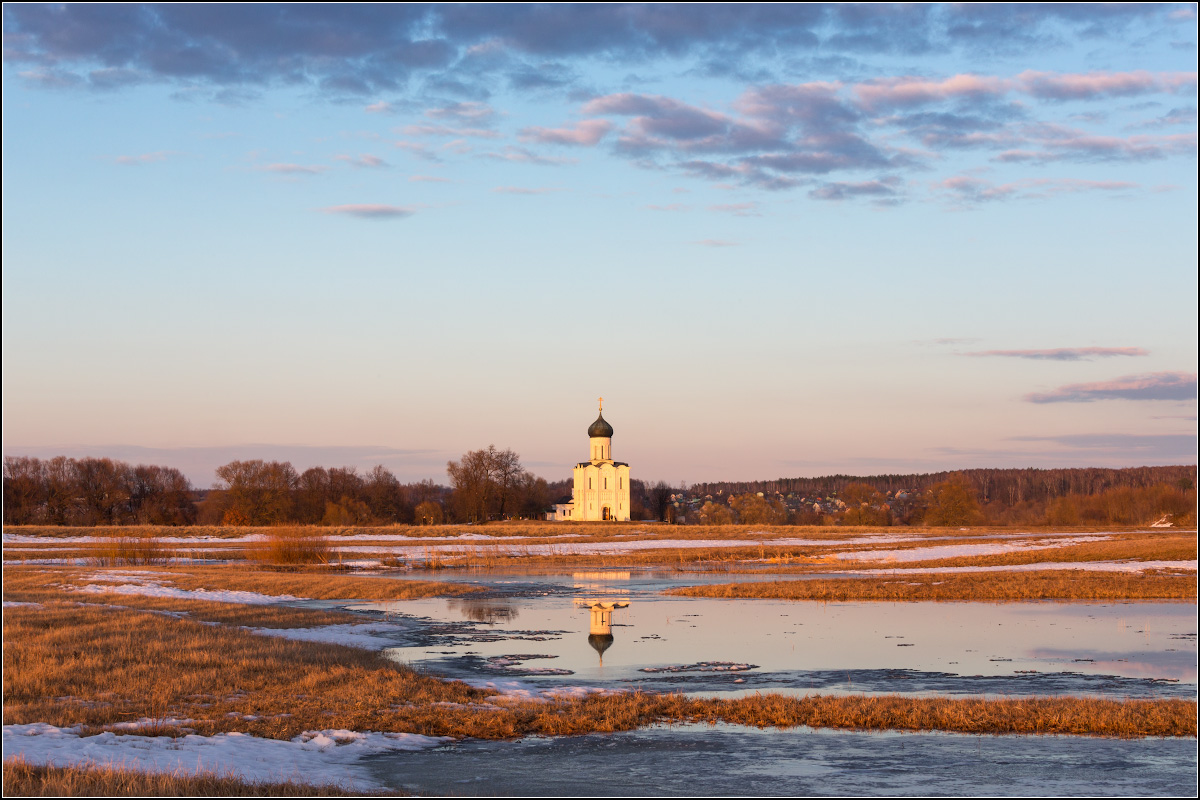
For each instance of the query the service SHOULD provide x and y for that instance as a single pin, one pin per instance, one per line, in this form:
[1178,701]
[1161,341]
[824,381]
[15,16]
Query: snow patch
[365,636]
[319,757]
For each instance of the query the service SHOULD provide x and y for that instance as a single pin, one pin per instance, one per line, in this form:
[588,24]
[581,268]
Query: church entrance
[607,514]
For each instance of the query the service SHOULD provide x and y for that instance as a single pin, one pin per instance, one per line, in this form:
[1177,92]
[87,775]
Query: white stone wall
[600,484]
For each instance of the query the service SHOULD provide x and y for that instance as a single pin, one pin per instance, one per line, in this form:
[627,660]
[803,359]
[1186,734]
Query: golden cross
[601,401]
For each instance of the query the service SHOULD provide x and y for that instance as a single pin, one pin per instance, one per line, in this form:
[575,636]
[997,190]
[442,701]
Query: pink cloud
[371,211]
[1153,386]
[909,91]
[916,90]
[1066,353]
[1057,86]
[585,133]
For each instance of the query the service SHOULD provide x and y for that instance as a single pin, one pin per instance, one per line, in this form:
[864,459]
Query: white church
[601,490]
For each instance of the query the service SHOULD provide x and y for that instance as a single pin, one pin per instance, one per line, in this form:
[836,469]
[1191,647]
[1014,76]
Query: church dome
[600,429]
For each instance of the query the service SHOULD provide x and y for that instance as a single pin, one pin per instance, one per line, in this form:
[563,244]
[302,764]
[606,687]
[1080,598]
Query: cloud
[293,169]
[372,211]
[363,161]
[882,189]
[1056,86]
[1068,145]
[1065,353]
[369,49]
[586,133]
[855,135]
[908,91]
[967,189]
[469,111]
[1153,386]
[428,179]
[717,243]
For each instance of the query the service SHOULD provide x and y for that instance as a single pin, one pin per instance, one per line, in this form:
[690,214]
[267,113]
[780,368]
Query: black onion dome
[600,428]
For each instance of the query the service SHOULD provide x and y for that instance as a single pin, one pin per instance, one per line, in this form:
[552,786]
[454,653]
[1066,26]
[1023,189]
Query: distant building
[561,510]
[601,490]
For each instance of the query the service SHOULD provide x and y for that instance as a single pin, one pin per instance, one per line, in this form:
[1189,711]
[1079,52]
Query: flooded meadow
[533,636]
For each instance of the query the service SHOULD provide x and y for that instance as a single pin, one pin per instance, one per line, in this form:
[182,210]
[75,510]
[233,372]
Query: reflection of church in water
[600,625]
[601,486]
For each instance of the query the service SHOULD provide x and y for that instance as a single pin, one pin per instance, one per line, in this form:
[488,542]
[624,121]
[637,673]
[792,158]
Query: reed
[291,546]
[130,551]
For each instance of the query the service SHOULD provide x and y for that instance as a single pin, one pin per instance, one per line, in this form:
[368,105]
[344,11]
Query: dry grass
[979,586]
[1125,547]
[229,613]
[131,551]
[290,546]
[22,779]
[67,664]
[37,583]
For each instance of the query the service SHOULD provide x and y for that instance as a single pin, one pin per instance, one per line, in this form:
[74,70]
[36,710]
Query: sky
[779,241]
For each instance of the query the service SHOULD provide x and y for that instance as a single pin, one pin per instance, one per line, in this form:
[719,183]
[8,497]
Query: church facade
[601,485]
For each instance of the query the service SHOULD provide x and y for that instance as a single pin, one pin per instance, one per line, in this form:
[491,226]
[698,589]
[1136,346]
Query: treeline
[258,492]
[1009,486]
[94,491]
[1090,496]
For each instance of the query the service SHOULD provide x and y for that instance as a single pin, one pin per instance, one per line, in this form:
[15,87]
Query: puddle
[726,760]
[542,629]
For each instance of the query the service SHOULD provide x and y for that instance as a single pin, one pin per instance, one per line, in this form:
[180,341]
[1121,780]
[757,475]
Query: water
[531,628]
[733,760]
[528,631]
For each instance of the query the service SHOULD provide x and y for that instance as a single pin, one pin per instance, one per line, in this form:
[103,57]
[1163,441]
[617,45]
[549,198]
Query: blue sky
[779,240]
